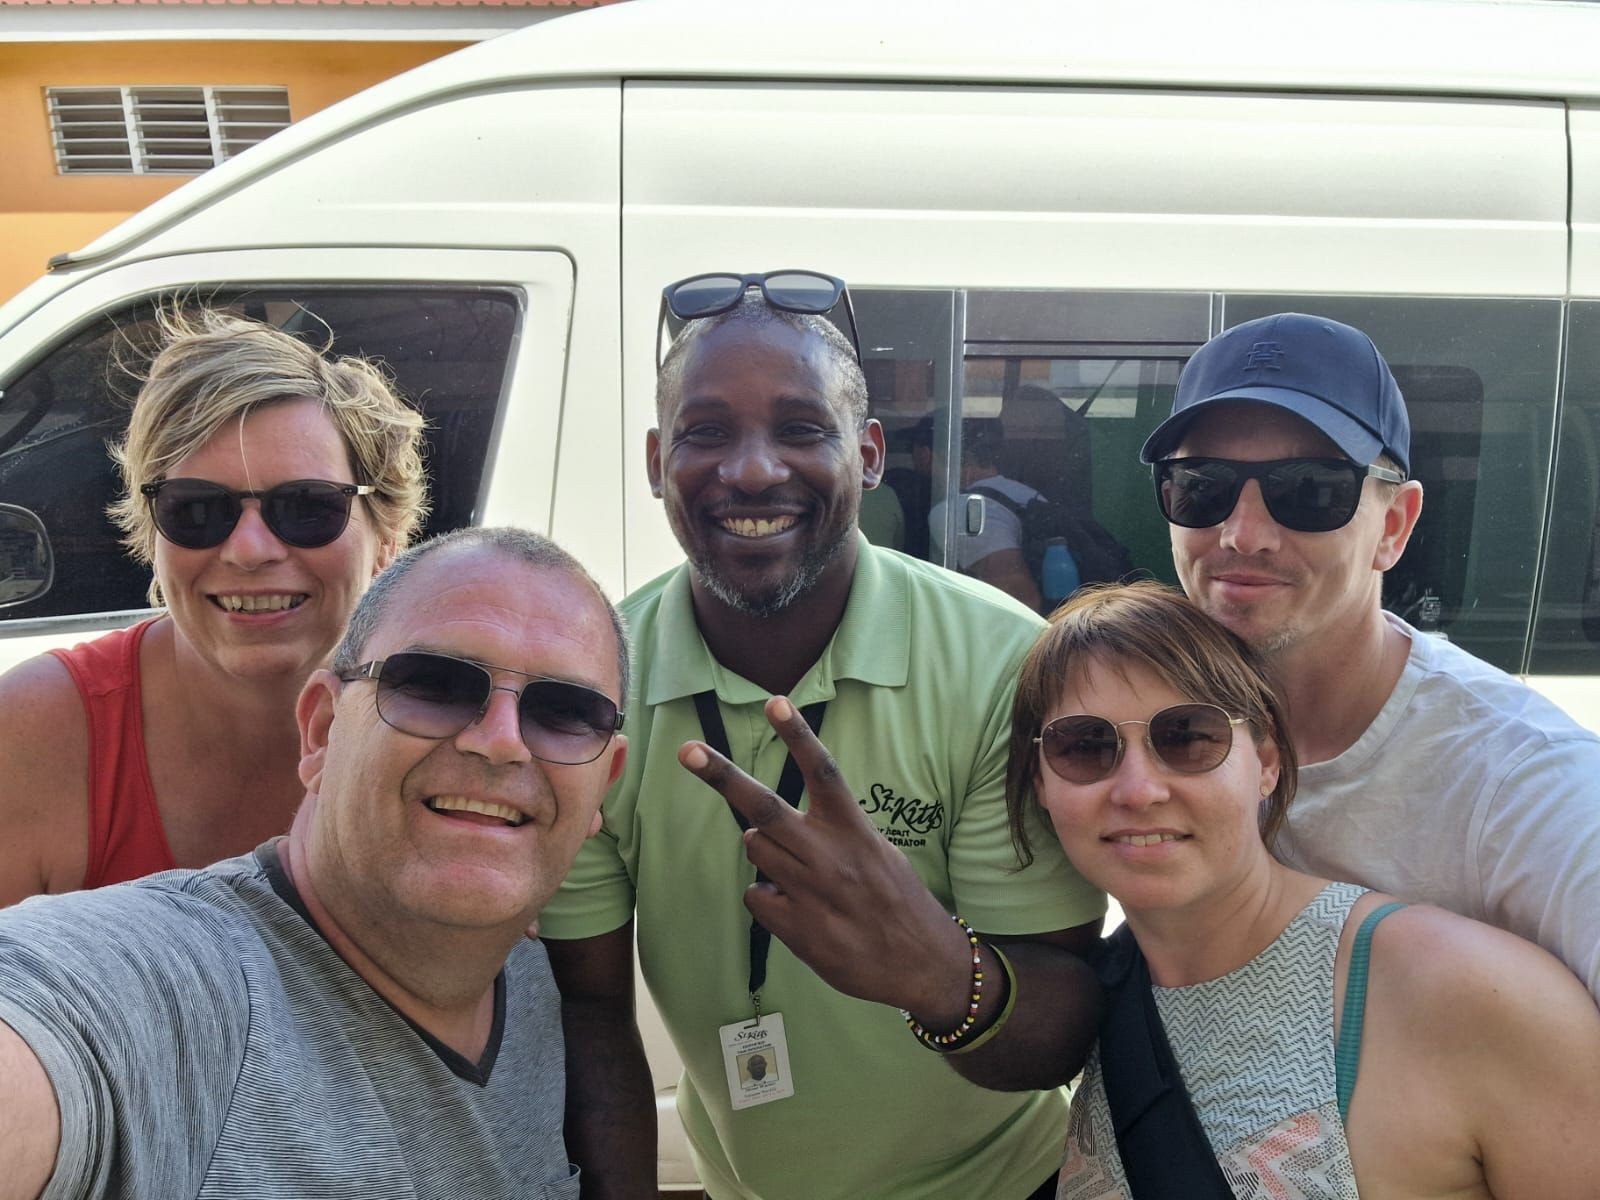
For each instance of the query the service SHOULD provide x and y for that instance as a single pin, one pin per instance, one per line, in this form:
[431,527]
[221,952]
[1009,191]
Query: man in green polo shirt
[762,452]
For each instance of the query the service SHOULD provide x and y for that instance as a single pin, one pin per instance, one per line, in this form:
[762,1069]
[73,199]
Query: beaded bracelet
[1006,1009]
[944,1043]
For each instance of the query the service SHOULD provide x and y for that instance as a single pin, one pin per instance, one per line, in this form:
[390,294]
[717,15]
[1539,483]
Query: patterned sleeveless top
[1256,1051]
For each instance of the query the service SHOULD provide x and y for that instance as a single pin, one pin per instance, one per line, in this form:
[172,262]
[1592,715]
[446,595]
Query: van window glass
[447,350]
[1479,377]
[1567,634]
[1051,443]
[906,343]
[1058,391]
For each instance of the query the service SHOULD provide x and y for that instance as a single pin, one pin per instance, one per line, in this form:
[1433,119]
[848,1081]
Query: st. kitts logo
[904,820]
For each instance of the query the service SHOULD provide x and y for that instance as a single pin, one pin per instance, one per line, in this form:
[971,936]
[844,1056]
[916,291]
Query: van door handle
[972,522]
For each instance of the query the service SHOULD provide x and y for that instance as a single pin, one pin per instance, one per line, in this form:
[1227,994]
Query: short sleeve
[597,895]
[139,1015]
[1002,530]
[1538,853]
[993,893]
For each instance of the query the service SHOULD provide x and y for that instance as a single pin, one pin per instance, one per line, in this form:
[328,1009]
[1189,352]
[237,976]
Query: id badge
[756,1057]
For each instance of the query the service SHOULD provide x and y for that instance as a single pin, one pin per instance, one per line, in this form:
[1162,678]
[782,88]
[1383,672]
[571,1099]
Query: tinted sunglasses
[1188,738]
[1310,495]
[436,696]
[720,291]
[198,514]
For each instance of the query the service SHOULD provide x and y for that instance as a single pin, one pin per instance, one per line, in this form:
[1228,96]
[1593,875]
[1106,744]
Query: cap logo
[1267,356]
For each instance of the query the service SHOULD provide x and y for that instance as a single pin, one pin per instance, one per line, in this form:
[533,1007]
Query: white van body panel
[1098,189]
[1583,123]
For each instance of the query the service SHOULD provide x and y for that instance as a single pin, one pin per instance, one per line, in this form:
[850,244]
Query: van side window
[906,342]
[1567,637]
[447,349]
[1038,402]
[1031,406]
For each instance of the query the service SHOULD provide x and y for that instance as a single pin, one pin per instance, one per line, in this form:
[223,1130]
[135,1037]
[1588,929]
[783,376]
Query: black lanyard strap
[790,786]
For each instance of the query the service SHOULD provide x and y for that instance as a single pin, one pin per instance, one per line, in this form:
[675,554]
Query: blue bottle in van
[1058,573]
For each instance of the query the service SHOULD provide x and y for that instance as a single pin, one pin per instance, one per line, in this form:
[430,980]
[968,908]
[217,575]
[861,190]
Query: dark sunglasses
[437,696]
[1188,738]
[198,514]
[1310,495]
[791,291]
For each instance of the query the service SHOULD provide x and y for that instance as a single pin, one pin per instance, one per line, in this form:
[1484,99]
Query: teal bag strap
[1347,1055]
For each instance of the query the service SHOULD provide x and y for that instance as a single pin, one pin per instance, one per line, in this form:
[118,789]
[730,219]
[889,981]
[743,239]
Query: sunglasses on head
[436,696]
[198,514]
[720,291]
[1310,495]
[1188,738]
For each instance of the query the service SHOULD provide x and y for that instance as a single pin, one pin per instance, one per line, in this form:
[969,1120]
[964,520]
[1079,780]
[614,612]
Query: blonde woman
[265,484]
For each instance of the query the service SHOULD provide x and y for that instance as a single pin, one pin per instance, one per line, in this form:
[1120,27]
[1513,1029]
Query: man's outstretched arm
[611,1108]
[30,1123]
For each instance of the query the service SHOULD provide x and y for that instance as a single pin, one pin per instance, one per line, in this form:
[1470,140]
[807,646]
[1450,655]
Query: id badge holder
[755,1055]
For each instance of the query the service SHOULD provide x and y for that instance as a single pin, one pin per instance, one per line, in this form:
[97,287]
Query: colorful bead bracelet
[944,1043]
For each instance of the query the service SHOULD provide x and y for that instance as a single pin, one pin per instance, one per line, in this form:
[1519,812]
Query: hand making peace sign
[843,899]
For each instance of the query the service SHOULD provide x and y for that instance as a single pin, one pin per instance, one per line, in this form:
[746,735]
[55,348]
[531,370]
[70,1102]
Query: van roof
[1534,49]
[1474,47]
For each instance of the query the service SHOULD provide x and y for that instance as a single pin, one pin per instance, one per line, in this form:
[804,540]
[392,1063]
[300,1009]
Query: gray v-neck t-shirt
[203,1040]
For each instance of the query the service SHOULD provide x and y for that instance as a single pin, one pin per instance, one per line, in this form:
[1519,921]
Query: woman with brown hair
[266,484]
[1328,1041]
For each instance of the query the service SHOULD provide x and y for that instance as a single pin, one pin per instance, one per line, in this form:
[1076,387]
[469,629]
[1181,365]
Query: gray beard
[770,604]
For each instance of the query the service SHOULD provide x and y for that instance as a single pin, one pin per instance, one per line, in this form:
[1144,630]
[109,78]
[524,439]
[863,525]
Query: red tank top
[126,840]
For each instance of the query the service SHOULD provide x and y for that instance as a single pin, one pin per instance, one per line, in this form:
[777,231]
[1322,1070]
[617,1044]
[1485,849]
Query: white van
[1041,209]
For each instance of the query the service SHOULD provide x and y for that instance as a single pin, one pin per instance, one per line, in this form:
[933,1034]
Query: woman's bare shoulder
[42,706]
[1458,980]
[44,780]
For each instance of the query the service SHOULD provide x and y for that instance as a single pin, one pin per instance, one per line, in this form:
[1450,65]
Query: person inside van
[266,484]
[913,484]
[762,450]
[1426,772]
[996,553]
[1329,1039]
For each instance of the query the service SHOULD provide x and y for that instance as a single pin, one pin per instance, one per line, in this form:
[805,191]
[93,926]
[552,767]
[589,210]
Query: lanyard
[790,784]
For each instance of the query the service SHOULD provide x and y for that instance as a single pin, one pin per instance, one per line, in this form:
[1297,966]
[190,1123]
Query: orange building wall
[43,213]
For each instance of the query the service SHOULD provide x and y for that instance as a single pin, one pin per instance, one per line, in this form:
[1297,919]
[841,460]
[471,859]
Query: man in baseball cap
[1425,772]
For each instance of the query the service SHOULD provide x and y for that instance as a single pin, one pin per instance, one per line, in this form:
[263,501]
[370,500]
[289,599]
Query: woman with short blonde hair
[266,482]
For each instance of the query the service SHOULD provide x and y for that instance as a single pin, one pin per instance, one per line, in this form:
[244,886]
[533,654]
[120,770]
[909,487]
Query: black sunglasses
[718,292]
[436,696]
[198,514]
[1189,738]
[1310,495]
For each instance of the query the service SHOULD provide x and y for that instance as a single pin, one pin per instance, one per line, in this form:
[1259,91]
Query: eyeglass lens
[1188,738]
[1310,495]
[436,696]
[198,514]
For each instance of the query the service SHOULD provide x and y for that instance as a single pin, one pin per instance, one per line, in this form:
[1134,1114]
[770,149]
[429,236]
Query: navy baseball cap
[1327,373]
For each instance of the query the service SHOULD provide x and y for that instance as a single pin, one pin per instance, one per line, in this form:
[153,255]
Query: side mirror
[27,565]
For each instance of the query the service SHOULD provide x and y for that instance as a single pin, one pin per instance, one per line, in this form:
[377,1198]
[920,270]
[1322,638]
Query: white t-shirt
[1002,528]
[1470,791]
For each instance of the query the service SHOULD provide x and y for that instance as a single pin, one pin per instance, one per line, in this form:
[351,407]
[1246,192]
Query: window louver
[159,130]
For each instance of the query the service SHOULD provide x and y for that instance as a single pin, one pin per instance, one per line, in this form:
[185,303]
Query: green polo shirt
[918,681]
